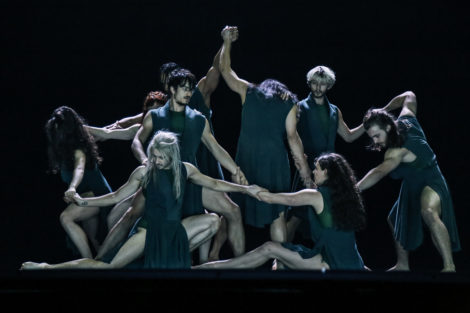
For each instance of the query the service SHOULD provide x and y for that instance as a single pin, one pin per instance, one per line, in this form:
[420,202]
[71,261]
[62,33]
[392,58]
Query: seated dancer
[160,237]
[338,205]
[424,194]
[73,152]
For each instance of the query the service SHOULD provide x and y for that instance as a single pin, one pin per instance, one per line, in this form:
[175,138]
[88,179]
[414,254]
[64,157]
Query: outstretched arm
[349,135]
[406,101]
[221,155]
[195,176]
[240,86]
[297,148]
[126,122]
[78,172]
[103,133]
[209,83]
[392,159]
[129,188]
[303,197]
[141,137]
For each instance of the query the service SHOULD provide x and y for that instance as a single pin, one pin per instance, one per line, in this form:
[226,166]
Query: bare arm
[129,188]
[235,83]
[406,101]
[297,148]
[141,137]
[102,133]
[78,172]
[195,176]
[220,154]
[209,83]
[349,135]
[303,197]
[392,159]
[126,122]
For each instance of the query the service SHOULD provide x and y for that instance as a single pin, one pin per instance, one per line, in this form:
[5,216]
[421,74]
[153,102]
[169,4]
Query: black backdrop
[102,60]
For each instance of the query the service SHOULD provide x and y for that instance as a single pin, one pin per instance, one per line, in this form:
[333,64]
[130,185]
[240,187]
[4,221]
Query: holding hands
[229,33]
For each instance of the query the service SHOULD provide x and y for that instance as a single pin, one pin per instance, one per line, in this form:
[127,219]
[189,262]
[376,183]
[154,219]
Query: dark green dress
[262,154]
[93,180]
[337,247]
[317,138]
[189,142]
[207,164]
[405,215]
[166,242]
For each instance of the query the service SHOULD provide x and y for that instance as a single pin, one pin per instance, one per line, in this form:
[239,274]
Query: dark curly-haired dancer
[424,194]
[160,239]
[73,152]
[338,205]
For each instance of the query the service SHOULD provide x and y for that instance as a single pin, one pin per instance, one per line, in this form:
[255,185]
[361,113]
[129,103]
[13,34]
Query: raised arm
[141,137]
[303,197]
[195,176]
[297,148]
[240,86]
[129,188]
[209,83]
[392,159]
[406,101]
[78,172]
[102,133]
[349,135]
[221,155]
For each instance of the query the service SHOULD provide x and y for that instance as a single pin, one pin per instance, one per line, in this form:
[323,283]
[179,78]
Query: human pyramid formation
[177,200]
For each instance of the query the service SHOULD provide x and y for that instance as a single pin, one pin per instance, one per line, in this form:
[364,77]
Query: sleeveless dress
[207,164]
[337,247]
[262,154]
[316,139]
[93,180]
[189,142]
[405,215]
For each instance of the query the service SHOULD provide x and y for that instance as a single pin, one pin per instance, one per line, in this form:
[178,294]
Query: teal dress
[262,154]
[405,215]
[189,142]
[337,247]
[317,128]
[93,180]
[207,164]
[166,241]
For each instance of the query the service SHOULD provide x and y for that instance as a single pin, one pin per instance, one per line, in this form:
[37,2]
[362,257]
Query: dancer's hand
[79,200]
[68,195]
[254,190]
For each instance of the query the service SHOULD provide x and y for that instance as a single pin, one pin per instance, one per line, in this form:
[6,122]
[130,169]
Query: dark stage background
[102,60]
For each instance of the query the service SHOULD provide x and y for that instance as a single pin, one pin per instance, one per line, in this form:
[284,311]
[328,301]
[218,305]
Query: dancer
[267,119]
[424,194]
[319,123]
[338,204]
[160,237]
[73,152]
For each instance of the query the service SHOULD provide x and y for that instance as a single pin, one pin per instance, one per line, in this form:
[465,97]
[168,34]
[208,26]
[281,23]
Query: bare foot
[448,269]
[34,266]
[399,267]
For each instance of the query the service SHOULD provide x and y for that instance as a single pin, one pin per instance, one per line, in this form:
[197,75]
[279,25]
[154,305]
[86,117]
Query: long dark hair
[381,118]
[65,134]
[271,87]
[347,207]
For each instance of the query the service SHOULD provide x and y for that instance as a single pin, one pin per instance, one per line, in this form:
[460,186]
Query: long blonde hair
[167,143]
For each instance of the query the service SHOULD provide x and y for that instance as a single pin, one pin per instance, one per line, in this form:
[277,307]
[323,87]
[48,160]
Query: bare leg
[431,211]
[204,251]
[90,226]
[118,211]
[402,255]
[292,225]
[69,218]
[200,228]
[119,232]
[220,203]
[260,255]
[278,232]
[219,240]
[131,250]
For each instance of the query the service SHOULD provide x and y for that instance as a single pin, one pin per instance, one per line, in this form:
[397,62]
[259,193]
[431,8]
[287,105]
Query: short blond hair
[322,74]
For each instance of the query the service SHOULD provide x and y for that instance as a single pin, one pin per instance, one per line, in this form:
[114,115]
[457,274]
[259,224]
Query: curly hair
[153,99]
[347,207]
[65,134]
[381,118]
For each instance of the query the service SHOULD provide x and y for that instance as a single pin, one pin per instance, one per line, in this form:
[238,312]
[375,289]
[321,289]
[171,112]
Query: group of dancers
[178,200]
